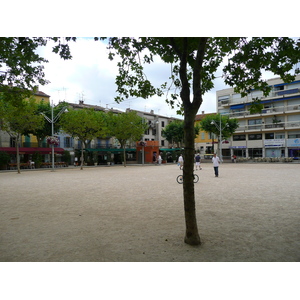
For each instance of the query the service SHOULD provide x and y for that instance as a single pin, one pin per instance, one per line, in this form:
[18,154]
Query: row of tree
[29,117]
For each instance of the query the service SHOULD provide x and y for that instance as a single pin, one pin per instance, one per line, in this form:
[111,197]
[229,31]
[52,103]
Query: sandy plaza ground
[100,218]
[250,213]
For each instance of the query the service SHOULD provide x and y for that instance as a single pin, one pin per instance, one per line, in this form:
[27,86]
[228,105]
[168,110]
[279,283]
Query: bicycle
[180,178]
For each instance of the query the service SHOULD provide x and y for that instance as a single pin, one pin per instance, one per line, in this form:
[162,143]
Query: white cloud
[90,76]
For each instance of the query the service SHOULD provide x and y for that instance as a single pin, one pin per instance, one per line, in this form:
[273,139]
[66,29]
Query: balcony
[268,126]
[287,92]
[274,95]
[289,109]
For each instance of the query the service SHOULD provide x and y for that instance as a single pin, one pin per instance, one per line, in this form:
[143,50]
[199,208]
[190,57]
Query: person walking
[180,161]
[216,163]
[198,161]
[159,159]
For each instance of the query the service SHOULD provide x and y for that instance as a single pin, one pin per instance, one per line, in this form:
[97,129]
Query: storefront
[293,146]
[274,147]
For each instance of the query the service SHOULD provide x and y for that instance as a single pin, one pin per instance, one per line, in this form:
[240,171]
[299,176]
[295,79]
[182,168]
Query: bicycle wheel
[179,179]
[196,178]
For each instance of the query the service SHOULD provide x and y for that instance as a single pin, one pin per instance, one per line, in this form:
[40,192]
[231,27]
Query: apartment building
[156,125]
[272,133]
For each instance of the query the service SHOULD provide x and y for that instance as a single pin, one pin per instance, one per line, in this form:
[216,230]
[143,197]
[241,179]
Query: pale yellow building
[204,140]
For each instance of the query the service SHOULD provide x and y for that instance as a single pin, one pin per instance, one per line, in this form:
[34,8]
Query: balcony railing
[274,110]
[248,98]
[261,127]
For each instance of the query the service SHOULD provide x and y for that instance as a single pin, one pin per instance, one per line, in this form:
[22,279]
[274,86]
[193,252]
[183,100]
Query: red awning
[32,150]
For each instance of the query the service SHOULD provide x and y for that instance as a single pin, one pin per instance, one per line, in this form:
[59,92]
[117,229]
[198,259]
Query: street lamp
[52,121]
[219,127]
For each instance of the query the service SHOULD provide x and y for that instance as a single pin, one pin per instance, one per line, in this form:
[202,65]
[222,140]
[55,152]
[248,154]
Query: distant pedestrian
[180,161]
[216,163]
[198,161]
[159,159]
[154,158]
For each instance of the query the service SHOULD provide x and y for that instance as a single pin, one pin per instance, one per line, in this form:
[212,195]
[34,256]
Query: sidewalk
[98,214]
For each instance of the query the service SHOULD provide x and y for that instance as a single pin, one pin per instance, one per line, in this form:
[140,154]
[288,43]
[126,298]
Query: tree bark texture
[192,236]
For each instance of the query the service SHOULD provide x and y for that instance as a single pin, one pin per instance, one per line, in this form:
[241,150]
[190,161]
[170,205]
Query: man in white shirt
[216,163]
[180,161]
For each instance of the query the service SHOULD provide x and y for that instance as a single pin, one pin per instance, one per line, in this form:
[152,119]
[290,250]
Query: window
[162,123]
[252,137]
[162,142]
[240,137]
[223,99]
[269,136]
[202,135]
[255,152]
[279,135]
[68,142]
[12,142]
[294,135]
[279,88]
[98,143]
[254,122]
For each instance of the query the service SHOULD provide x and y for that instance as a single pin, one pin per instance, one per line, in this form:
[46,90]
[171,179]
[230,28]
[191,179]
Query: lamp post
[219,127]
[52,121]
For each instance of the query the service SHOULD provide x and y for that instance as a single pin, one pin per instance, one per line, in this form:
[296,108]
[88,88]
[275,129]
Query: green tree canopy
[20,120]
[213,124]
[22,68]
[84,124]
[126,127]
[174,132]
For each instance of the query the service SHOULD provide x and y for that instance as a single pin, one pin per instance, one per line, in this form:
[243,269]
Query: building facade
[101,148]
[156,125]
[204,140]
[272,133]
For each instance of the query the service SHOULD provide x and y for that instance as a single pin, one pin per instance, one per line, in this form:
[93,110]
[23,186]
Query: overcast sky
[90,76]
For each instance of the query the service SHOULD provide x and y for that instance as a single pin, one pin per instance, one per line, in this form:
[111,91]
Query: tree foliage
[174,132]
[22,65]
[126,127]
[84,124]
[22,68]
[213,124]
[20,120]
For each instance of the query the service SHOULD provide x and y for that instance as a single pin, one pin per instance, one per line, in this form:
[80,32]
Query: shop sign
[235,147]
[293,143]
[274,143]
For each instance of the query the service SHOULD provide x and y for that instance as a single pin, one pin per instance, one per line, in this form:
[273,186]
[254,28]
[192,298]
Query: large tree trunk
[124,154]
[192,236]
[190,110]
